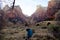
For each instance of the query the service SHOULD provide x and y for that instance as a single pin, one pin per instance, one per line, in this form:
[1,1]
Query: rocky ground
[18,32]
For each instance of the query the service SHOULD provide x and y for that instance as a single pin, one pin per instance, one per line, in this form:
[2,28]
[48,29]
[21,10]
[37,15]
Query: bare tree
[13,4]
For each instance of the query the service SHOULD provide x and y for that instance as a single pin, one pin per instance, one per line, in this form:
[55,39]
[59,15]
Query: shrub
[55,30]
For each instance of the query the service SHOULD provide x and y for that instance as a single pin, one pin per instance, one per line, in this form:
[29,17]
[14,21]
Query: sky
[28,6]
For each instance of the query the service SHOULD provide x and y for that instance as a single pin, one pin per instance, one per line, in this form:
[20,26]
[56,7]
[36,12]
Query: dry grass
[18,32]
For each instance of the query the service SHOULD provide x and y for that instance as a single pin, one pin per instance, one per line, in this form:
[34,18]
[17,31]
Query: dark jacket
[29,33]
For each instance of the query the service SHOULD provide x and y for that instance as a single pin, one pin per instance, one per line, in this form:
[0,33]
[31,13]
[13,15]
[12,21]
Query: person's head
[27,29]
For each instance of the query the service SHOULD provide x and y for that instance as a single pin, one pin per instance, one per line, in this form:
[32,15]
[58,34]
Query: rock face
[53,7]
[2,19]
[44,14]
[15,14]
[39,14]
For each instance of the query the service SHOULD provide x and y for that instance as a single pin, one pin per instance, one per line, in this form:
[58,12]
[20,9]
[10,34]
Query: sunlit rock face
[53,7]
[15,14]
[39,14]
[48,13]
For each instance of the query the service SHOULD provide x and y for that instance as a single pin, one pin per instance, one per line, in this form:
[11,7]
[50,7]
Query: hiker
[29,33]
